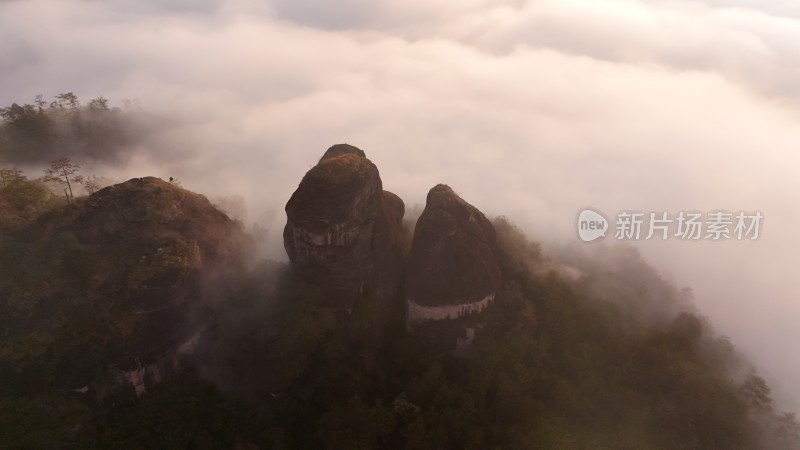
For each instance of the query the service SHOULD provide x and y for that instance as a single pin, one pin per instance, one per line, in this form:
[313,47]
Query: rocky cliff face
[344,235]
[127,269]
[453,268]
[170,241]
[344,231]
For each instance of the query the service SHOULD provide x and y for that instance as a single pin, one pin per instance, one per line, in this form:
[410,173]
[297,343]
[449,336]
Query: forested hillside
[587,348]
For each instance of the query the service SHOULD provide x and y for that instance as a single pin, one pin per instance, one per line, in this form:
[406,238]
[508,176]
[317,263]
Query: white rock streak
[419,313]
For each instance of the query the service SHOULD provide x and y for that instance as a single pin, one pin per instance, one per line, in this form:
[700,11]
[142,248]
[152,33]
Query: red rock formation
[343,230]
[453,267]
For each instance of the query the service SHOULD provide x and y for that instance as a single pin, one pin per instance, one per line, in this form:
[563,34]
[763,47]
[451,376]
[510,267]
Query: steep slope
[110,281]
[453,267]
[343,231]
[590,349]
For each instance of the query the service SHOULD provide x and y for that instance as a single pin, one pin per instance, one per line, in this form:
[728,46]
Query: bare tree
[62,170]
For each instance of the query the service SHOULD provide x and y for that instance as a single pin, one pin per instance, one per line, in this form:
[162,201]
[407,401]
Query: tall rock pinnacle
[343,231]
[453,268]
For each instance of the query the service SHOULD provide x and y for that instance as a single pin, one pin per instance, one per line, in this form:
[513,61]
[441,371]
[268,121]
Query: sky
[528,109]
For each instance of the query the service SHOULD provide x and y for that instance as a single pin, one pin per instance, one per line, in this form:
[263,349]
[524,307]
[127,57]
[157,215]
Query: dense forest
[606,355]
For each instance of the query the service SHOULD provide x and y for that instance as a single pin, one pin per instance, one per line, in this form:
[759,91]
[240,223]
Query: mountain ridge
[262,354]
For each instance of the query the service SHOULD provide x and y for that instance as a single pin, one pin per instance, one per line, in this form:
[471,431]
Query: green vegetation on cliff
[582,350]
[561,364]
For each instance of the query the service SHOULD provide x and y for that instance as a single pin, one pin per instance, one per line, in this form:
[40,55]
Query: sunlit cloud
[532,110]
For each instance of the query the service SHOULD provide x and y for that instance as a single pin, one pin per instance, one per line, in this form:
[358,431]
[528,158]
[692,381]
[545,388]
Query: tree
[92,184]
[62,170]
[66,100]
[8,176]
[757,392]
[16,112]
[99,103]
[26,133]
[39,101]
[21,201]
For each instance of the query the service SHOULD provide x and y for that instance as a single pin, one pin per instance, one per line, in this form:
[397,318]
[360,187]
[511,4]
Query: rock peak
[454,256]
[442,195]
[443,201]
[344,164]
[441,192]
[343,228]
[342,149]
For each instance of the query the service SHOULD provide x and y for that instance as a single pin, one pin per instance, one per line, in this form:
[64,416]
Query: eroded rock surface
[344,231]
[154,246]
[453,268]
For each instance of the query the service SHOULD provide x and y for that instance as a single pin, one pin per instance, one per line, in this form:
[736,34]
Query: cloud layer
[528,109]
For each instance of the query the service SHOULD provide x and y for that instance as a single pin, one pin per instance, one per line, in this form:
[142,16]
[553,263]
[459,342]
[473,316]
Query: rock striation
[453,269]
[344,235]
[343,231]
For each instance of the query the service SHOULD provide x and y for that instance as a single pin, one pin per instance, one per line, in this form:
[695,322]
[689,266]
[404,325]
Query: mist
[532,110]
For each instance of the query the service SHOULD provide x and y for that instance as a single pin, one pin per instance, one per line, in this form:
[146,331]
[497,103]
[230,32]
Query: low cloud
[532,110]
